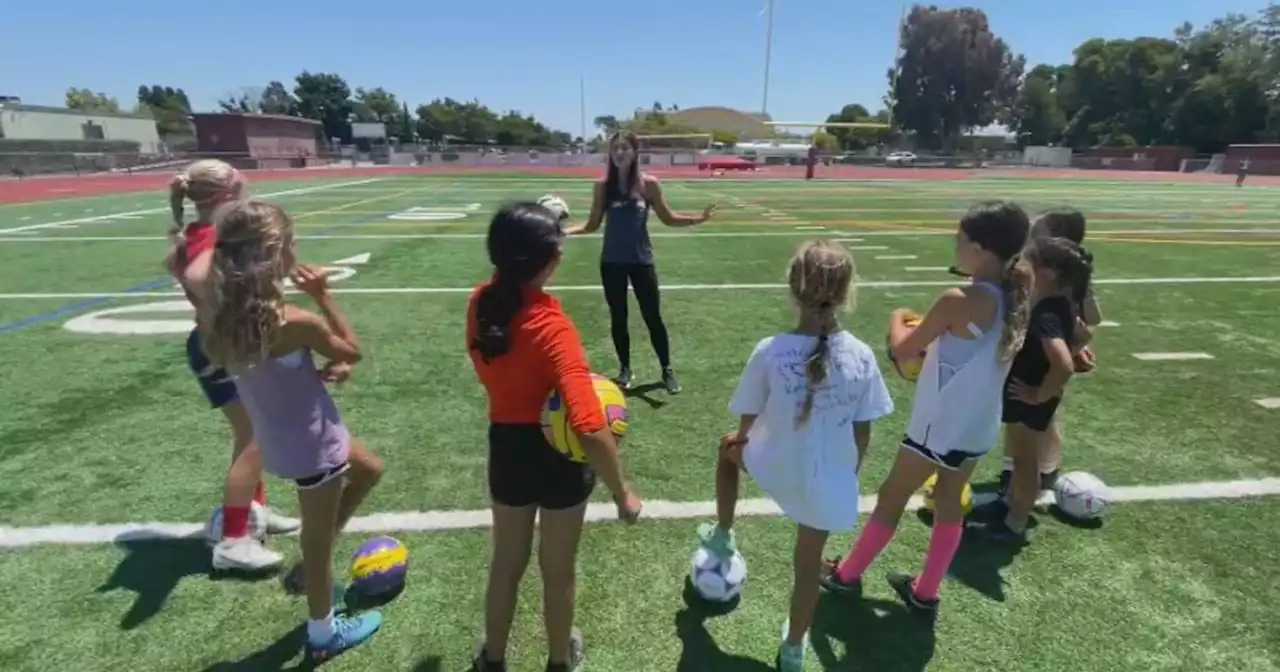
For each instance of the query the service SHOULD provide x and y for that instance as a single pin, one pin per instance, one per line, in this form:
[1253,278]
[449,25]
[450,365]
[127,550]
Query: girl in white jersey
[971,334]
[806,401]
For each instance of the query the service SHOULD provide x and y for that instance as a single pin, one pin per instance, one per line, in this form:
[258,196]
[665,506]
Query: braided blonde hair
[206,183]
[245,308]
[821,276]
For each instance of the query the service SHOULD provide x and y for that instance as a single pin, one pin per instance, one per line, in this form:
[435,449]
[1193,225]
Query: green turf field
[102,426]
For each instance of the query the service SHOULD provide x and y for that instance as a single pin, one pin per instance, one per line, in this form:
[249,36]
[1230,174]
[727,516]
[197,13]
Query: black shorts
[1036,418]
[312,482]
[949,461]
[525,470]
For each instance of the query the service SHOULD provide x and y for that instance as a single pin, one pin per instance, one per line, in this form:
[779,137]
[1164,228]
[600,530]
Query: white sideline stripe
[1108,323]
[926,269]
[895,257]
[870,284]
[1269,403]
[1170,356]
[434,521]
[152,211]
[904,233]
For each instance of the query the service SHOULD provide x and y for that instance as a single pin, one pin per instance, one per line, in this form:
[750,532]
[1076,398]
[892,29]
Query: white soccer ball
[257,525]
[556,205]
[1082,495]
[717,580]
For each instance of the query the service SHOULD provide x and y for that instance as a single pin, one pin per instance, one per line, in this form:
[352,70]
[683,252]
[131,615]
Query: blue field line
[88,304]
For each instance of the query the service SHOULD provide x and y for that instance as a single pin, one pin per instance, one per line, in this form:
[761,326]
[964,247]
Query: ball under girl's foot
[905,586]
[347,632]
[829,578]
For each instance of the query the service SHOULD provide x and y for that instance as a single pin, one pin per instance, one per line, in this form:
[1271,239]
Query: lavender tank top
[294,419]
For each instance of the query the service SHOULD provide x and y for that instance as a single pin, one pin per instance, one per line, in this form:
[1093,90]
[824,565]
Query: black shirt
[1050,318]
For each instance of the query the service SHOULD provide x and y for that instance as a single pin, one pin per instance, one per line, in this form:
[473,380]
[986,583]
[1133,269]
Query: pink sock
[942,548]
[873,539]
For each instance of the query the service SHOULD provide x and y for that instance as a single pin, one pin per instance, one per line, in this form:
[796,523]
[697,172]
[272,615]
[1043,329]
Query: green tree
[381,105]
[89,101]
[170,108]
[276,99]
[1039,118]
[953,74]
[326,98]
[607,123]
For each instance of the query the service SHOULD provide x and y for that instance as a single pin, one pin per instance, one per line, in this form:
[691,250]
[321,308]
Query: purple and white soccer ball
[1082,495]
[717,580]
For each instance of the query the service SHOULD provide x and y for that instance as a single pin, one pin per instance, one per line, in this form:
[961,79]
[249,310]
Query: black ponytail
[523,239]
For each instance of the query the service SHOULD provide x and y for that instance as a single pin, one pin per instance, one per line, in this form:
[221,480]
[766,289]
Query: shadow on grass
[275,657]
[643,392]
[152,569]
[700,652]
[878,636]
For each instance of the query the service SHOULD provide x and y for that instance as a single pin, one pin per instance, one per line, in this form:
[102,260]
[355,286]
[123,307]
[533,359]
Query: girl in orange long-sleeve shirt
[523,346]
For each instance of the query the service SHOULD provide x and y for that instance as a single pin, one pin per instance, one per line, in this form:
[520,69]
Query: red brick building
[251,141]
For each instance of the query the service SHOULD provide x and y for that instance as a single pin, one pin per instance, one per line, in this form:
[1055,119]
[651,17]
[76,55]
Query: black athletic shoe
[830,579]
[905,586]
[1006,479]
[625,378]
[1000,532]
[1048,480]
[669,381]
[994,510]
[482,664]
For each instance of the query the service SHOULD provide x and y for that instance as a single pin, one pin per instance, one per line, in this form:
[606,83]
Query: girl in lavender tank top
[267,344]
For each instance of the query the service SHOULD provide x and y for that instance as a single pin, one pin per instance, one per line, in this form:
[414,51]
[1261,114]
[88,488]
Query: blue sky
[528,54]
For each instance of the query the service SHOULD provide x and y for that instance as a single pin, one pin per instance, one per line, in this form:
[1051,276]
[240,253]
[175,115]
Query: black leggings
[644,280]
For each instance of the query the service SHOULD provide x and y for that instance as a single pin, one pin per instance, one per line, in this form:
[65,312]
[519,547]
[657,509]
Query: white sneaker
[245,554]
[272,521]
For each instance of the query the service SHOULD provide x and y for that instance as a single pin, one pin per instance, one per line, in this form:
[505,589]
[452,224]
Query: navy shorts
[218,386]
[1036,418]
[525,470]
[949,461]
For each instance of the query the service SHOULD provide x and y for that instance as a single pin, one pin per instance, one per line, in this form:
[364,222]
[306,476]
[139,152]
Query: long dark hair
[1071,263]
[523,238]
[614,190]
[1061,222]
[1001,228]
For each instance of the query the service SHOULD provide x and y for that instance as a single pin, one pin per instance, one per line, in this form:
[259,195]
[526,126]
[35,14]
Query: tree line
[327,98]
[1203,88]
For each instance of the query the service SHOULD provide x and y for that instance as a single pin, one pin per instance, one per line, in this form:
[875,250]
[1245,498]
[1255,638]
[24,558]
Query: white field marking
[906,233]
[1269,403]
[811,228]
[23,219]
[849,240]
[925,269]
[358,259]
[866,248]
[895,257]
[881,284]
[1171,356]
[152,211]
[1108,323]
[435,521]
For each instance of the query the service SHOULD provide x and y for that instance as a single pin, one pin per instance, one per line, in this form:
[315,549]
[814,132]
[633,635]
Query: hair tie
[826,305]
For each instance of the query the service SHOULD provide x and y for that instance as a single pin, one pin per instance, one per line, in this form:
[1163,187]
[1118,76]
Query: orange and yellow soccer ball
[908,368]
[555,418]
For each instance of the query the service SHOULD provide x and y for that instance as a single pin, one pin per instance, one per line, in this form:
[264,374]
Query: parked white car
[900,159]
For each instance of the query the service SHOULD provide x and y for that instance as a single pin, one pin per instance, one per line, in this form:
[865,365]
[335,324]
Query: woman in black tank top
[623,200]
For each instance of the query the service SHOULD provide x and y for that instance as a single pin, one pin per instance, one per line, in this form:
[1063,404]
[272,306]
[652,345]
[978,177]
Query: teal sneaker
[791,656]
[348,633]
[723,544]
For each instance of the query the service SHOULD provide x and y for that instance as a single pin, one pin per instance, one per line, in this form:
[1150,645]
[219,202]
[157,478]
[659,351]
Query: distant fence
[80,159]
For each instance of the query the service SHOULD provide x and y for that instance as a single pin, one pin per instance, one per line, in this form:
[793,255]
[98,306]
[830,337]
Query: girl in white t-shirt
[806,401]
[971,334]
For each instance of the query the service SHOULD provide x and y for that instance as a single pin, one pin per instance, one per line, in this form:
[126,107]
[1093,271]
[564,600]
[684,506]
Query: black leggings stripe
[643,279]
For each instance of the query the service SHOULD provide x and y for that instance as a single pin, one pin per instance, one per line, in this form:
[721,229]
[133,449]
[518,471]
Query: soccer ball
[966,497]
[717,580]
[555,418]
[909,368]
[1082,495]
[379,567]
[257,525]
[556,205]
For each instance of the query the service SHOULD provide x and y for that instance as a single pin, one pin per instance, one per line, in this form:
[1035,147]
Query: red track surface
[50,188]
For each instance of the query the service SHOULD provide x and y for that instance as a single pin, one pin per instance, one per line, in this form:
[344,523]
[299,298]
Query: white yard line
[153,211]
[866,284]
[1171,356]
[433,521]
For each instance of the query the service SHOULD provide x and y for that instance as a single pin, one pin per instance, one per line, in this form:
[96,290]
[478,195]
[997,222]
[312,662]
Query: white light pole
[768,54]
